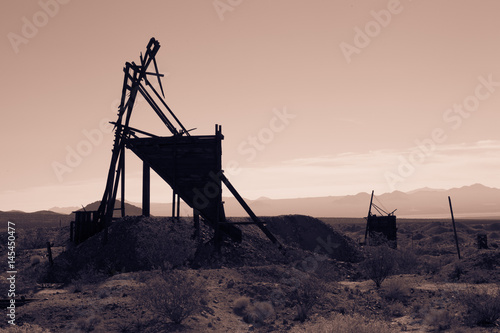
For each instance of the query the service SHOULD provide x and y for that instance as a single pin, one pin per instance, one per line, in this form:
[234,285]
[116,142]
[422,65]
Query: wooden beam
[122,203]
[454,228]
[146,189]
[173,203]
[249,210]
[178,207]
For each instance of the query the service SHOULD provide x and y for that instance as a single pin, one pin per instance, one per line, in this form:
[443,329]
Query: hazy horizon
[315,98]
[472,201]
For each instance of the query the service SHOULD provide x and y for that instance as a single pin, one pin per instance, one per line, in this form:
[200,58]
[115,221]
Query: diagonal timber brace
[249,211]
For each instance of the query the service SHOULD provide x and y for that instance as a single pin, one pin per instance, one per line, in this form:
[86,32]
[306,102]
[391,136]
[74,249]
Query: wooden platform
[191,165]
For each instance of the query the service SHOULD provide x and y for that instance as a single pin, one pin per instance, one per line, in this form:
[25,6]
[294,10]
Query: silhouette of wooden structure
[482,241]
[190,164]
[380,229]
[84,226]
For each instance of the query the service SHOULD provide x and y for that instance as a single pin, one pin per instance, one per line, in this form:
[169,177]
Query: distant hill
[64,210]
[45,218]
[468,201]
[40,219]
[130,209]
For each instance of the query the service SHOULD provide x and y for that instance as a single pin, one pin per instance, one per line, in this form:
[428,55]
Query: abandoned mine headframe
[382,228]
[191,165]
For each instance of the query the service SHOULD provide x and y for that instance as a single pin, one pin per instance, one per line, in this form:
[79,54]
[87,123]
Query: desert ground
[152,276]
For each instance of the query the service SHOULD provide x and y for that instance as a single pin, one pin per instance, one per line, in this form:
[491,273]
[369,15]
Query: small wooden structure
[482,241]
[380,229]
[83,227]
[191,165]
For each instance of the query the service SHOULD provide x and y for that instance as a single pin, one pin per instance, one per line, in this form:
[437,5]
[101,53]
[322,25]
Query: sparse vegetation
[174,295]
[27,328]
[396,290]
[407,262]
[482,306]
[355,323]
[438,320]
[257,313]
[35,260]
[33,239]
[250,286]
[240,305]
[379,265]
[306,295]
[86,324]
[164,245]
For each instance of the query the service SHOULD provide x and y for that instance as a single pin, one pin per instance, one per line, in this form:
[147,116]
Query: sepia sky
[315,97]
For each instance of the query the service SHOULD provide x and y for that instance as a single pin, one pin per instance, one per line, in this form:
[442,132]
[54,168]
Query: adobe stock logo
[373,28]
[30,28]
[454,117]
[255,143]
[74,156]
[222,6]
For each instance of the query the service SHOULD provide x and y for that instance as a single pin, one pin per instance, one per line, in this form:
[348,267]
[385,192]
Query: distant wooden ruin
[190,164]
[380,229]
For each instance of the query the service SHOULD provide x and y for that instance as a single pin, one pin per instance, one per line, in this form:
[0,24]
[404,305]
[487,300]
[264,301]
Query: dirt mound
[478,267]
[493,227]
[311,234]
[136,243]
[437,230]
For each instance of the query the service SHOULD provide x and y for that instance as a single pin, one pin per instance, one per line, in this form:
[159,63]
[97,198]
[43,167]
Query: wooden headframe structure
[190,164]
[382,228]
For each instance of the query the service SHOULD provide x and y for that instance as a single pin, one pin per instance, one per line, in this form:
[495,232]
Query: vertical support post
[49,253]
[146,189]
[122,179]
[218,149]
[196,218]
[174,176]
[173,203]
[454,228]
[368,217]
[178,207]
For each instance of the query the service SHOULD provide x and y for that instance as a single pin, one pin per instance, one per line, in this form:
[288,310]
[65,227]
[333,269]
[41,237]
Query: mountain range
[468,201]
[474,201]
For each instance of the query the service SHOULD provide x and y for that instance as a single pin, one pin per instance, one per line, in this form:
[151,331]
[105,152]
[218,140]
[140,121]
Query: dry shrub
[438,320]
[33,274]
[456,272]
[431,264]
[255,313]
[86,324]
[32,239]
[482,306]
[396,290]
[394,309]
[407,261]
[87,276]
[379,265]
[355,323]
[35,260]
[26,328]
[240,305]
[173,294]
[258,312]
[307,294]
[264,309]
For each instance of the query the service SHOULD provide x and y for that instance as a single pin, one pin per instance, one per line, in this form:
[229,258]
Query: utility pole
[454,228]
